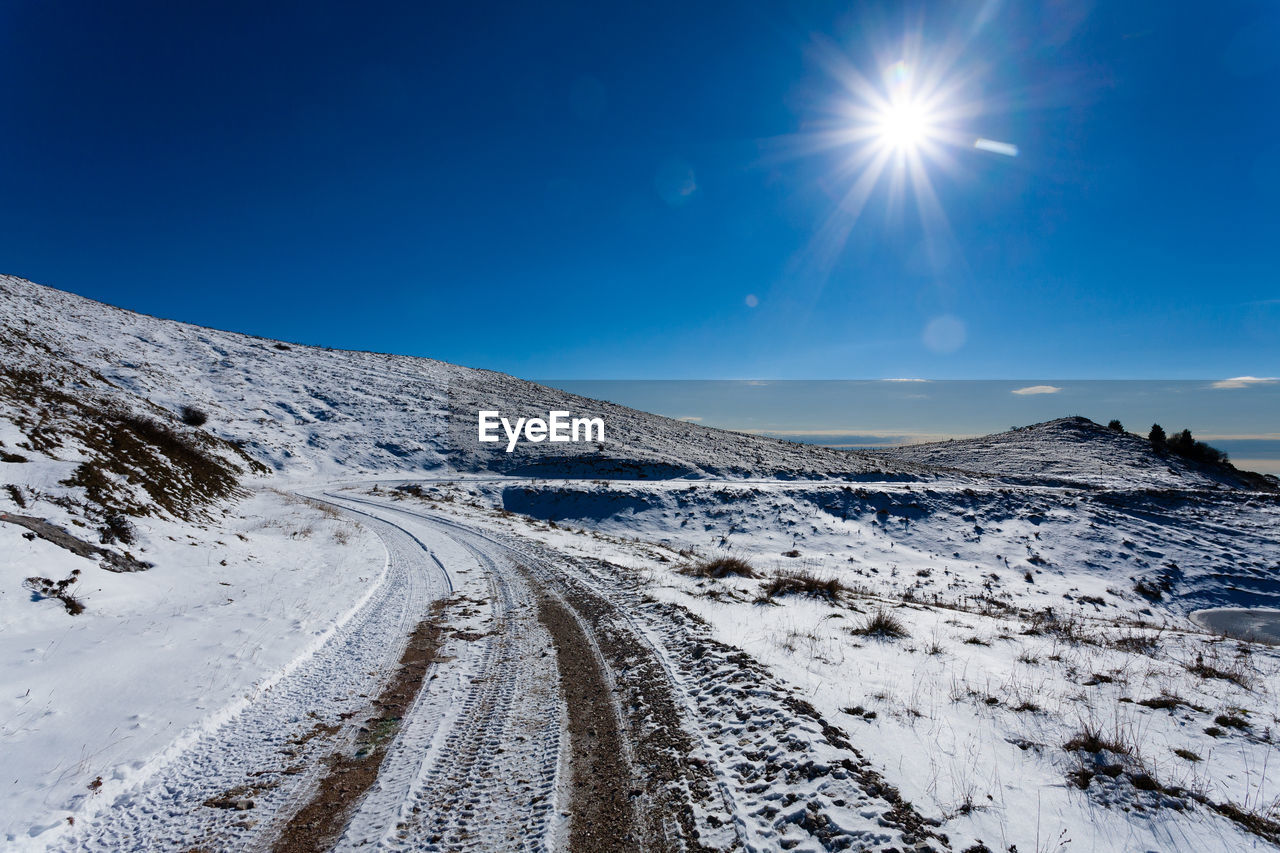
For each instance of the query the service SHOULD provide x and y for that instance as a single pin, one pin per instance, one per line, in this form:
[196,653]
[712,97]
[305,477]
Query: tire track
[670,791]
[728,757]
[476,763]
[603,816]
[317,825]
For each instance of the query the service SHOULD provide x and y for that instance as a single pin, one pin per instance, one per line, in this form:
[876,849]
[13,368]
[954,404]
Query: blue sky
[631,190]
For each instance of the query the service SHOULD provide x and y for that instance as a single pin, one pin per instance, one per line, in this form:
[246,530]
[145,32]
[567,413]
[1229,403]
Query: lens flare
[892,133]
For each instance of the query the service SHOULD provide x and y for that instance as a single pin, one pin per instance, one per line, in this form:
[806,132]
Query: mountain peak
[1075,450]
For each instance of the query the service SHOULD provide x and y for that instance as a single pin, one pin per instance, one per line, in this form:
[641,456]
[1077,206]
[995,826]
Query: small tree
[1115,425]
[1185,444]
[1182,442]
[1157,436]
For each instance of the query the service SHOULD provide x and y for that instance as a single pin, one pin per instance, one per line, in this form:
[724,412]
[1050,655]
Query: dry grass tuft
[1093,740]
[884,625]
[1236,671]
[801,583]
[720,567]
[48,588]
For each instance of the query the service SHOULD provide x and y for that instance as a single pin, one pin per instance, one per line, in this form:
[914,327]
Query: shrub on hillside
[192,416]
[1115,426]
[116,528]
[1184,444]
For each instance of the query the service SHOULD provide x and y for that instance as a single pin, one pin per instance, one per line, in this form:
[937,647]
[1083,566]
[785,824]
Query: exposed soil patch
[239,798]
[182,470]
[667,780]
[111,561]
[603,819]
[319,823]
[318,729]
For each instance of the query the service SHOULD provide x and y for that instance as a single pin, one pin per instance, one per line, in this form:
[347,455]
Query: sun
[904,125]
[902,117]
[901,125]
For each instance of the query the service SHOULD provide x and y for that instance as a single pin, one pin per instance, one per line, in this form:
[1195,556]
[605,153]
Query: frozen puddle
[1247,623]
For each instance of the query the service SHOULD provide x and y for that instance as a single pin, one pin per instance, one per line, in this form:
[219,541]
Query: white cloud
[689,418]
[1036,389]
[904,380]
[1243,381]
[1008,149]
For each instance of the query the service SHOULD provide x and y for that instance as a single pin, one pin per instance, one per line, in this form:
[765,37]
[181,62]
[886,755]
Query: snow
[161,656]
[1047,579]
[313,413]
[970,713]
[1073,450]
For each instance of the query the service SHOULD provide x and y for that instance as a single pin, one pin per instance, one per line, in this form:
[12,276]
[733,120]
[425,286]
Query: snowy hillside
[308,411]
[1077,450]
[1021,659]
[256,595]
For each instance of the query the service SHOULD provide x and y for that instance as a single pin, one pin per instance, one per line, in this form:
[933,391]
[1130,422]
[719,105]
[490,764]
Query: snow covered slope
[308,411]
[1016,657]
[1077,450]
[1039,678]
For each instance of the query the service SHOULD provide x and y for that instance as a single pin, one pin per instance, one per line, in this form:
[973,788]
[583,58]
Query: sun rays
[892,132]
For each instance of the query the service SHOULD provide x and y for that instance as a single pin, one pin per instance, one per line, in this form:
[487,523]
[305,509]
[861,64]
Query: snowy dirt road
[673,741]
[493,694]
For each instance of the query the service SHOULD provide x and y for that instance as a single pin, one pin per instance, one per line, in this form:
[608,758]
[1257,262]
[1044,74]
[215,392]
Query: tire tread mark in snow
[265,746]
[483,774]
[771,744]
[602,818]
[443,571]
[668,782]
[316,826]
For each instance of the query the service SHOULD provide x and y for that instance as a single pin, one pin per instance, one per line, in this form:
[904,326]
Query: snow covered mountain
[308,411]
[88,382]
[1076,450]
[260,595]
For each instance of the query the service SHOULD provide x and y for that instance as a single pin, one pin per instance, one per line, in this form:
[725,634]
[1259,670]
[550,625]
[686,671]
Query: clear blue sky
[595,190]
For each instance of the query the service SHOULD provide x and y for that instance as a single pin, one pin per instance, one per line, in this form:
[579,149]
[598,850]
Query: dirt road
[492,694]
